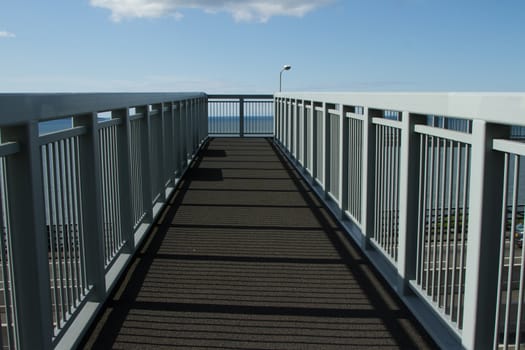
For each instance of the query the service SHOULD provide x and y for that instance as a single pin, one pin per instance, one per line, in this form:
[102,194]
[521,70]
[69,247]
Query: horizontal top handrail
[21,108]
[450,135]
[9,148]
[514,147]
[237,96]
[501,108]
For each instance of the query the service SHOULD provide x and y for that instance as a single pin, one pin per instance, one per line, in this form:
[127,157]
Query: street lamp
[286,67]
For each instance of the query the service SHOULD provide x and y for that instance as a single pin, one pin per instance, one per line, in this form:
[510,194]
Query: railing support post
[309,135]
[167,131]
[241,117]
[124,166]
[91,189]
[297,116]
[291,123]
[326,170]
[292,128]
[145,155]
[193,122]
[408,201]
[304,131]
[368,177]
[187,129]
[282,121]
[279,120]
[276,106]
[202,103]
[177,144]
[161,171]
[184,133]
[344,148]
[318,166]
[28,239]
[205,114]
[484,220]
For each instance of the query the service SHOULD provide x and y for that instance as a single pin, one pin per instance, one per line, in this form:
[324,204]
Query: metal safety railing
[240,115]
[432,186]
[82,177]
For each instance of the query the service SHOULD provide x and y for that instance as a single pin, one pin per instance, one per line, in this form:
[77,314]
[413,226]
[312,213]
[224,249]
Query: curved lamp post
[286,67]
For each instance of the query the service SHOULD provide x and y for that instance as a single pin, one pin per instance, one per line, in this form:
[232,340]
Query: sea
[217,125]
[256,125]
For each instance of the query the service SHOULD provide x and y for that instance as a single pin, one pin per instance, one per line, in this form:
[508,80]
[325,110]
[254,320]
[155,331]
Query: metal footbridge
[287,221]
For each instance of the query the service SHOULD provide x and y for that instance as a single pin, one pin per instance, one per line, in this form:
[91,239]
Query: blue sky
[240,46]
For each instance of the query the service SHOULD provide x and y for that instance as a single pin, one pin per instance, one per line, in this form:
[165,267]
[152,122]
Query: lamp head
[287,67]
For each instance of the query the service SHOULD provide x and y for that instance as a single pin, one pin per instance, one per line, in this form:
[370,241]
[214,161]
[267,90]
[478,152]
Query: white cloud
[241,10]
[5,34]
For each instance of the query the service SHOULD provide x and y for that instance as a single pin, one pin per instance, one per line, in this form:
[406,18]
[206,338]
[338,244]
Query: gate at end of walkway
[240,115]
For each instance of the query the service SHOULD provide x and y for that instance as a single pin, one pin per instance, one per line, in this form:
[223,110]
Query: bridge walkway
[246,257]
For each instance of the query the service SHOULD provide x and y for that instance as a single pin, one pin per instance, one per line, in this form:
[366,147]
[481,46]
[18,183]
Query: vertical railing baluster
[241,117]
[501,274]
[71,260]
[465,213]
[205,119]
[380,180]
[521,279]
[115,197]
[442,175]
[455,273]
[421,213]
[10,337]
[56,184]
[448,306]
[430,192]
[65,241]
[47,156]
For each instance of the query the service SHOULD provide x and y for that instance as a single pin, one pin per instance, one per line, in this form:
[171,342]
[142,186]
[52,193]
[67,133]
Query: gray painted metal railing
[75,203]
[240,115]
[431,187]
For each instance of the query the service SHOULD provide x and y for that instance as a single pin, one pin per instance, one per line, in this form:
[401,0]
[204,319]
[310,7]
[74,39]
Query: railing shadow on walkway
[276,278]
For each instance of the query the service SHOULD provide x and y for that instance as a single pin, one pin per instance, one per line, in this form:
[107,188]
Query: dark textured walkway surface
[247,258]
